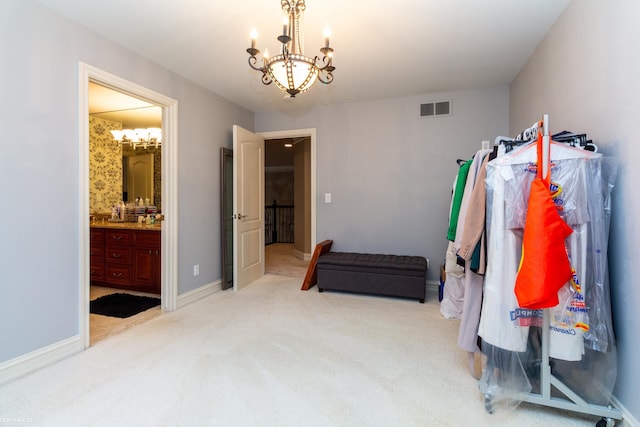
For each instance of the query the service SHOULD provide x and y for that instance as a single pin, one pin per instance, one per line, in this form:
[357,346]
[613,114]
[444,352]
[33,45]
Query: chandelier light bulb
[254,36]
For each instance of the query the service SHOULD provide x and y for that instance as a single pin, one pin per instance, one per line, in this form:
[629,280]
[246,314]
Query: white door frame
[169,276]
[298,133]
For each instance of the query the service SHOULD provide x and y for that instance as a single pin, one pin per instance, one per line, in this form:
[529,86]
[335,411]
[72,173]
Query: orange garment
[544,266]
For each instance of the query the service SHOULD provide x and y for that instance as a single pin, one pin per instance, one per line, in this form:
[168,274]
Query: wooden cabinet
[96,255]
[127,259]
[146,260]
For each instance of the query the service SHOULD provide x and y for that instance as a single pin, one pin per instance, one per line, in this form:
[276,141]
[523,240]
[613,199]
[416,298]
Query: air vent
[432,109]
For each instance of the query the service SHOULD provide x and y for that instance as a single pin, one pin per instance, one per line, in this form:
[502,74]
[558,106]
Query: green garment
[457,200]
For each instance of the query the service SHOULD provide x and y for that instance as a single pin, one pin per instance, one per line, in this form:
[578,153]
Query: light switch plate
[327,197]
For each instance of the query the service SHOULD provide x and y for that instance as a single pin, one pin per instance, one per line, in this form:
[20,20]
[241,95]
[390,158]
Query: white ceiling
[118,107]
[382,49]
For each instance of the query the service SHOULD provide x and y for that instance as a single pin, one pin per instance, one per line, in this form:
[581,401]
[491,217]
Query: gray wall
[39,249]
[389,171]
[585,75]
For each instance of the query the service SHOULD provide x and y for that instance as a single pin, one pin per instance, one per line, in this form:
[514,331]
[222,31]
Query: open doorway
[125,203]
[148,270]
[287,206]
[229,183]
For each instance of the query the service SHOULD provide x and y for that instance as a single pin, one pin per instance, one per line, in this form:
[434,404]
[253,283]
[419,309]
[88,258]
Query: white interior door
[248,207]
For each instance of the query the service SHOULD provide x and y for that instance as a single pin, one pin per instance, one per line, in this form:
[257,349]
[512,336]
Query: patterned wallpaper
[105,166]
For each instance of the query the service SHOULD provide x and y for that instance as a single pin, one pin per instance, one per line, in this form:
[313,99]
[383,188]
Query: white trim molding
[199,293]
[45,356]
[301,255]
[169,293]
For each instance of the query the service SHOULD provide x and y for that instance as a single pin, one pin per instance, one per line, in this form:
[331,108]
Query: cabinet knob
[115,255]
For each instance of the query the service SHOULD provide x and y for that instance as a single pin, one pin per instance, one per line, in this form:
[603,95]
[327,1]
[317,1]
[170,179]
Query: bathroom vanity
[126,256]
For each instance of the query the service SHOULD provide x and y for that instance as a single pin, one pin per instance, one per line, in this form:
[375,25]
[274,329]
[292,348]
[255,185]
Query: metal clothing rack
[573,402]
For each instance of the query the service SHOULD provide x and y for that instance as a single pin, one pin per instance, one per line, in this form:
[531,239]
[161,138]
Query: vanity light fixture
[149,137]
[291,70]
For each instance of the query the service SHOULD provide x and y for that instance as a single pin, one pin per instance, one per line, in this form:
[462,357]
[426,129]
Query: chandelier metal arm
[253,61]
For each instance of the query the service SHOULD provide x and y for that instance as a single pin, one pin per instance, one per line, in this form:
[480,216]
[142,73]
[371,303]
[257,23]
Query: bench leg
[421,300]
[320,290]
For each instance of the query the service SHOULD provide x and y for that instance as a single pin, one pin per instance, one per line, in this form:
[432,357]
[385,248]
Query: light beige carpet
[272,355]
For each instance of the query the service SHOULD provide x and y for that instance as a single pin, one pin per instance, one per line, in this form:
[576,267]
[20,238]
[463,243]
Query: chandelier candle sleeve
[254,36]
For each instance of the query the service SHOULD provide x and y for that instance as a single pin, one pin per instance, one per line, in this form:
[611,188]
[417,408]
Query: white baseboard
[302,255]
[199,293]
[45,356]
[433,285]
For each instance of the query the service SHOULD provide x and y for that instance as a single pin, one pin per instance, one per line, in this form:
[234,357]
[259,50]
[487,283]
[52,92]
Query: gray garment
[468,331]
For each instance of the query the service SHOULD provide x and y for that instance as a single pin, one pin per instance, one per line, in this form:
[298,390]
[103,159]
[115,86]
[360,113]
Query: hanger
[575,140]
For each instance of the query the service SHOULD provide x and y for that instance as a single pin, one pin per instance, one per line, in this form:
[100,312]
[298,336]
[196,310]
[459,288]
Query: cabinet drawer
[146,238]
[118,274]
[96,236]
[121,237]
[96,253]
[118,254]
[96,271]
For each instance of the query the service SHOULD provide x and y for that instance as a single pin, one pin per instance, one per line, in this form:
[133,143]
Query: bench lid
[393,262]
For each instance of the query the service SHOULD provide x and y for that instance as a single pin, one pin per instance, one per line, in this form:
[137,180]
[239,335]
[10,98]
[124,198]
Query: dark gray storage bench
[393,275]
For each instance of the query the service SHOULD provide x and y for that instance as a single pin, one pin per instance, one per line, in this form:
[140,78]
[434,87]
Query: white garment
[453,293]
[509,177]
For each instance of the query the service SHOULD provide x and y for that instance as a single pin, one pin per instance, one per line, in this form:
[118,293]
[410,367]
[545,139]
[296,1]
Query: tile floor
[101,327]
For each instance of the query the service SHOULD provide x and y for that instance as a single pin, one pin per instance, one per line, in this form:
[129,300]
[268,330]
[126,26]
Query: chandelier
[291,70]
[138,137]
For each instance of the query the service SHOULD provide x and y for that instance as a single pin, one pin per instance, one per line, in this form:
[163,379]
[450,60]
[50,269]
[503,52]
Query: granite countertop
[126,225]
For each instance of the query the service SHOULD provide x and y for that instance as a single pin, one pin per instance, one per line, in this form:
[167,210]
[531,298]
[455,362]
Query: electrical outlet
[196,270]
